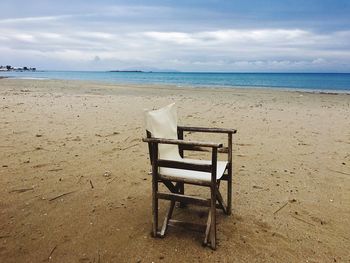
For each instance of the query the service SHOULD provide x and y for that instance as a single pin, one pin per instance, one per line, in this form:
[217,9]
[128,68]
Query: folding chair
[166,148]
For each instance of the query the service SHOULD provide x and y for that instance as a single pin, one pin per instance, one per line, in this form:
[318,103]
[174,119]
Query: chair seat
[194,175]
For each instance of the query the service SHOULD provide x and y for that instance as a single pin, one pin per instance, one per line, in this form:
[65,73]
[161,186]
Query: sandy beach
[76,188]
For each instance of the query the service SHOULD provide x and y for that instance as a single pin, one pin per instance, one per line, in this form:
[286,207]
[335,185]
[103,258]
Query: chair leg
[213,217]
[229,190]
[154,208]
[229,171]
[182,191]
[221,201]
[207,230]
[167,218]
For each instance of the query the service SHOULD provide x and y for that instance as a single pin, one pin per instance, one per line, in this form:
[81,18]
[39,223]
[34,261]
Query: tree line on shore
[10,68]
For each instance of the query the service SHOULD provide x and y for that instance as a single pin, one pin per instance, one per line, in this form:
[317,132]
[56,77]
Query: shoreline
[193,87]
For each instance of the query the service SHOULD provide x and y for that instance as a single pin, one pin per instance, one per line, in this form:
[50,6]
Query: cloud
[173,37]
[79,40]
[32,19]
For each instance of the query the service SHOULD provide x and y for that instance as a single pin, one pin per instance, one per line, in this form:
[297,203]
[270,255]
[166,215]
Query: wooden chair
[166,147]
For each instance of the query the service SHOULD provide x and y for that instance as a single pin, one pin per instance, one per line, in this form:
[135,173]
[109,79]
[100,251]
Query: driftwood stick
[92,186]
[281,208]
[54,198]
[5,236]
[55,170]
[338,172]
[49,257]
[130,146]
[21,190]
[302,220]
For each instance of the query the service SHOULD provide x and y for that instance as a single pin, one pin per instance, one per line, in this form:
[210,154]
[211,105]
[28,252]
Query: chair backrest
[162,123]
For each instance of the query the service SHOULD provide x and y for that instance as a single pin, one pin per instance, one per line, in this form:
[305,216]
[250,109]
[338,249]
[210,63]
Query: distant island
[10,68]
[139,71]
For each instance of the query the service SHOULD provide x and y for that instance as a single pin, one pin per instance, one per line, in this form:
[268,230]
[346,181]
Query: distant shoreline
[130,71]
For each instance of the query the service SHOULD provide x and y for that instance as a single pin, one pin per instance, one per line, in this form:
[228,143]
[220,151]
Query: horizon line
[209,72]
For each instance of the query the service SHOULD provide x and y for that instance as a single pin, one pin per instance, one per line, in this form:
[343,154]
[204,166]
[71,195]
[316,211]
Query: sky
[206,35]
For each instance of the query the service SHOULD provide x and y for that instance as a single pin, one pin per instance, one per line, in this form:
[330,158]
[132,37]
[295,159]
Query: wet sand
[75,183]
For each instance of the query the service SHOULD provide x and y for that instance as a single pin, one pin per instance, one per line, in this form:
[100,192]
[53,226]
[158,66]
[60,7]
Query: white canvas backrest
[162,123]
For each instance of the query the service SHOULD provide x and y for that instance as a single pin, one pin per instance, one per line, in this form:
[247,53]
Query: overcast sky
[212,35]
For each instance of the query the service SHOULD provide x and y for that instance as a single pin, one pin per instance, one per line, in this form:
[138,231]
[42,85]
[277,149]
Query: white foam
[32,78]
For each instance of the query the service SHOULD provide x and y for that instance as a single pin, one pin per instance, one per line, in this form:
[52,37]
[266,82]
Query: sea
[313,82]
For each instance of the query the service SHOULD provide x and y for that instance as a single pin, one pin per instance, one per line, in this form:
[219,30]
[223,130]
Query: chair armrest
[204,129]
[182,142]
[201,149]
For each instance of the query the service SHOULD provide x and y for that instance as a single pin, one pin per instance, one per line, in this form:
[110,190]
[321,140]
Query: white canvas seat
[194,175]
[169,166]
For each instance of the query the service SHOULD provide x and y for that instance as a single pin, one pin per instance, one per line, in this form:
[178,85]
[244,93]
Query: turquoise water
[302,81]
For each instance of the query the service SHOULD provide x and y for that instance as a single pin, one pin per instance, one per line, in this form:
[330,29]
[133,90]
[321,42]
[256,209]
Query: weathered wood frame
[177,190]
